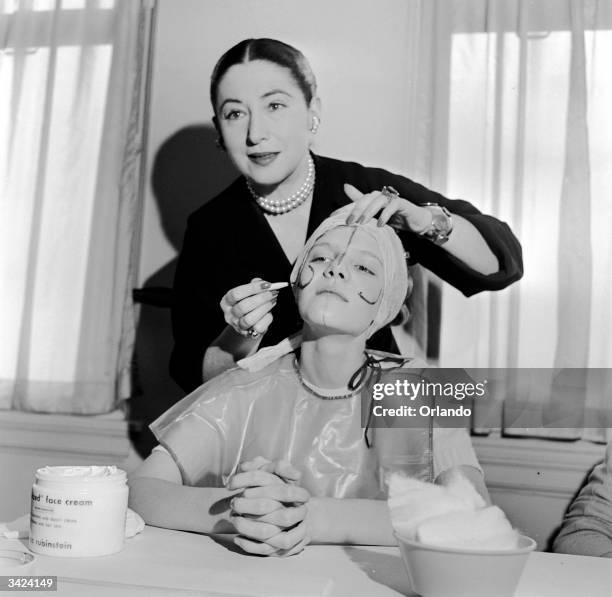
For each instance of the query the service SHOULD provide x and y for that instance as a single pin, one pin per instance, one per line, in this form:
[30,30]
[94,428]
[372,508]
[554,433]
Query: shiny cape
[240,415]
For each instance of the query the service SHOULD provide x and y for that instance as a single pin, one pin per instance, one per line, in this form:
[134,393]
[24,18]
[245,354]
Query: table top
[163,562]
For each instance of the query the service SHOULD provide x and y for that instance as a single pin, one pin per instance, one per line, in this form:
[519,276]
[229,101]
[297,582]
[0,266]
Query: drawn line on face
[360,294]
[350,239]
[301,285]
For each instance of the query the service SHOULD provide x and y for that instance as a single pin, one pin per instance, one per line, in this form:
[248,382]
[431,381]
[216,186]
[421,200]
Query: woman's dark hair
[273,51]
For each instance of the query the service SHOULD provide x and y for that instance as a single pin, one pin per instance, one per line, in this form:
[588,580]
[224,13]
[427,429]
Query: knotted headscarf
[395,281]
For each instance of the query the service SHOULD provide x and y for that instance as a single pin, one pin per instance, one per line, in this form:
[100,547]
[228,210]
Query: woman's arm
[158,495]
[247,310]
[467,244]
[441,260]
[225,350]
[464,242]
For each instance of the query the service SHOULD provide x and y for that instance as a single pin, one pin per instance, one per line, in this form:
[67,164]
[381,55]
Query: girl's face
[341,282]
[264,121]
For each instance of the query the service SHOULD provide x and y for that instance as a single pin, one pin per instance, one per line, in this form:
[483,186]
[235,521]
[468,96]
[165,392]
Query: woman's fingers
[352,192]
[255,286]
[247,307]
[366,206]
[372,204]
[395,208]
[389,208]
[250,318]
[251,303]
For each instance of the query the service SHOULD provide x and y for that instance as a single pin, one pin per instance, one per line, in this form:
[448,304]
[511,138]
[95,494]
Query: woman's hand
[271,514]
[399,213]
[247,308]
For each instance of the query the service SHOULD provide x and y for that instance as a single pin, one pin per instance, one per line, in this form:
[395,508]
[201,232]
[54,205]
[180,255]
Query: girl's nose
[336,269]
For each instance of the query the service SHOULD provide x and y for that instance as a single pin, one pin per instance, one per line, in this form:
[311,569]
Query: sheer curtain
[510,108]
[70,139]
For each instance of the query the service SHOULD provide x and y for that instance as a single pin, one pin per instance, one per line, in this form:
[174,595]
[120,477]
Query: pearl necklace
[282,206]
[312,391]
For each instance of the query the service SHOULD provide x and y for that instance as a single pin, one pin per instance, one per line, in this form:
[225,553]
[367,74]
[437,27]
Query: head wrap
[393,257]
[395,281]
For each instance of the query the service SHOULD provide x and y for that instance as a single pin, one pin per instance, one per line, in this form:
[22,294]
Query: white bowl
[452,572]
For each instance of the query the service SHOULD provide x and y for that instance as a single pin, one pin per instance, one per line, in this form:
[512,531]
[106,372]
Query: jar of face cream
[78,511]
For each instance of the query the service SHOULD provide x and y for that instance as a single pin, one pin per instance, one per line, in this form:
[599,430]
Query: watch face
[441,223]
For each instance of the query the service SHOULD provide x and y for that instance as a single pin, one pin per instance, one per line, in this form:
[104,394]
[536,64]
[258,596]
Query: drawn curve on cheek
[360,294]
[301,284]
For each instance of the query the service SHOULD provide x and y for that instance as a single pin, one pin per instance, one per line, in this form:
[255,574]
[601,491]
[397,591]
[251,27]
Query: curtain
[510,111]
[71,75]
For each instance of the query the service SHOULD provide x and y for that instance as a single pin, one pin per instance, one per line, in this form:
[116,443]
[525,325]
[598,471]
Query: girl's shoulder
[231,391]
[238,377]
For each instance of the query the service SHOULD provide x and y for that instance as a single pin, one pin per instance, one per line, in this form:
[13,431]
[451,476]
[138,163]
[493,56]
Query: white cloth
[454,515]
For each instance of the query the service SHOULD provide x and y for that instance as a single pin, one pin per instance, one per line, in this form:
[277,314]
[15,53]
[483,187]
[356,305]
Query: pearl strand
[281,206]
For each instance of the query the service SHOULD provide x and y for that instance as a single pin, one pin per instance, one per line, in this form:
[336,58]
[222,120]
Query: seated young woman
[275,450]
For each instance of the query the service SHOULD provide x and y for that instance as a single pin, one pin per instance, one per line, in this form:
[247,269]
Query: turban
[392,255]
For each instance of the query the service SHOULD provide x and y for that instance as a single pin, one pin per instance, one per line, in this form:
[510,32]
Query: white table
[162,562]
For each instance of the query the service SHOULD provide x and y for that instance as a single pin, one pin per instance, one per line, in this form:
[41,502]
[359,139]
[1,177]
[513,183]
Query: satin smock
[240,415]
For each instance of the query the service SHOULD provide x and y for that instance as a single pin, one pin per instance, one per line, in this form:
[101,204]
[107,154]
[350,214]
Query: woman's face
[265,123]
[341,283]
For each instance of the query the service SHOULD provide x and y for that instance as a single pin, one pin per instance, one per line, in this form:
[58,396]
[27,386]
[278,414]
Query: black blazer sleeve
[496,233]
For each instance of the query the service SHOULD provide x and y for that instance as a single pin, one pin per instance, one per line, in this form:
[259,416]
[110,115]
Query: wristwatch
[441,224]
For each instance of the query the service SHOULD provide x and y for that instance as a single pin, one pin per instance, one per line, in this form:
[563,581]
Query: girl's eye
[365,270]
[274,106]
[320,258]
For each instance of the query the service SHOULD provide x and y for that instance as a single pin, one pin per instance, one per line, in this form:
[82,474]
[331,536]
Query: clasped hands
[271,515]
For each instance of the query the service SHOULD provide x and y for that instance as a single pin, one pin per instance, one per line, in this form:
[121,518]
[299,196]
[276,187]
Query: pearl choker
[282,206]
[312,391]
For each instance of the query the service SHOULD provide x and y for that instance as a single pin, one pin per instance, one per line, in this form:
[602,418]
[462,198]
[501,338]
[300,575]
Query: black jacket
[228,242]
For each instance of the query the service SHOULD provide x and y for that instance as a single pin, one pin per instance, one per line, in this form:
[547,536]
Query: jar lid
[81,474]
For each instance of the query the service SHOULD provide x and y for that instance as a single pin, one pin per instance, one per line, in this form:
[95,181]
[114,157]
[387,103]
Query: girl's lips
[263,159]
[334,293]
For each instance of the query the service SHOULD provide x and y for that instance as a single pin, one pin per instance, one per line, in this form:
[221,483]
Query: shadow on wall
[188,170]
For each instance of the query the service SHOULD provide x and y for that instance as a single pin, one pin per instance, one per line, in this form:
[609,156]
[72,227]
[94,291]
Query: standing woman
[267,114]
